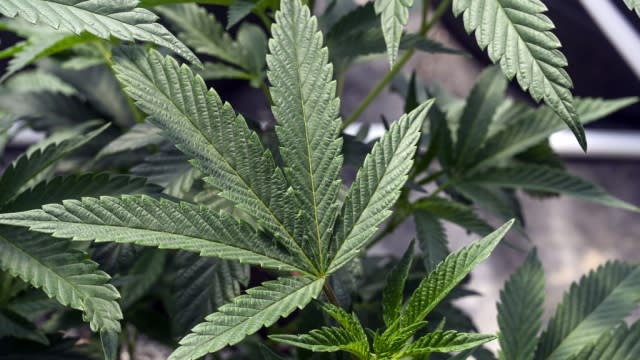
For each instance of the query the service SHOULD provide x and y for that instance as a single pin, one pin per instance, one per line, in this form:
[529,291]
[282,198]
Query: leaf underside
[518,36]
[121,19]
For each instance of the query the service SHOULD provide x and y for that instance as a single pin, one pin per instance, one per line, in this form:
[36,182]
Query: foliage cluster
[152,207]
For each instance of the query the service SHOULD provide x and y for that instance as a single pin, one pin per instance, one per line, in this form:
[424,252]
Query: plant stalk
[382,84]
[331,296]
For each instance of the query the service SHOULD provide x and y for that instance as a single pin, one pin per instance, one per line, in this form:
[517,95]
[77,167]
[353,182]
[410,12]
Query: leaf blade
[246,314]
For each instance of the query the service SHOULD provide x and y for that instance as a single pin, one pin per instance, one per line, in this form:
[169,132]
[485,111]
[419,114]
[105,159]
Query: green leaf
[141,220]
[238,10]
[121,19]
[75,187]
[502,203]
[62,273]
[542,178]
[529,128]
[393,294]
[377,186]
[170,169]
[447,275]
[220,71]
[38,80]
[394,15]
[454,212]
[622,343]
[432,239]
[520,310]
[518,36]
[200,286]
[485,97]
[446,341]
[219,142]
[43,45]
[14,325]
[633,5]
[308,123]
[202,31]
[246,314]
[597,303]
[30,165]
[351,337]
[138,137]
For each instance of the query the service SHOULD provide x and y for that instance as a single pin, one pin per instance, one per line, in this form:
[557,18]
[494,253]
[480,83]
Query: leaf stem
[330,294]
[373,94]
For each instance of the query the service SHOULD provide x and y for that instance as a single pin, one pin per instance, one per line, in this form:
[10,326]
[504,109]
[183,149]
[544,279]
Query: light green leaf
[141,220]
[62,273]
[219,142]
[104,19]
[38,80]
[394,15]
[633,5]
[520,310]
[529,128]
[485,97]
[597,303]
[308,123]
[518,36]
[446,341]
[27,167]
[454,212]
[393,293]
[447,275]
[377,186]
[432,239]
[138,137]
[350,338]
[623,343]
[542,178]
[248,313]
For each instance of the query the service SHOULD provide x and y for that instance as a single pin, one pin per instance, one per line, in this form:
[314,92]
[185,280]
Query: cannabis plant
[183,220]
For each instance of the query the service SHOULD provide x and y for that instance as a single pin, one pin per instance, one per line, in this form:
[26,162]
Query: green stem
[373,94]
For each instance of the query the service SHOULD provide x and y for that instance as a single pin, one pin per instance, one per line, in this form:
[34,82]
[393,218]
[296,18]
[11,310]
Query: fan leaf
[447,275]
[520,311]
[62,273]
[219,142]
[594,305]
[308,124]
[248,313]
[141,220]
[446,341]
[518,36]
[377,185]
[102,18]
[543,178]
[393,294]
[394,15]
[30,165]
